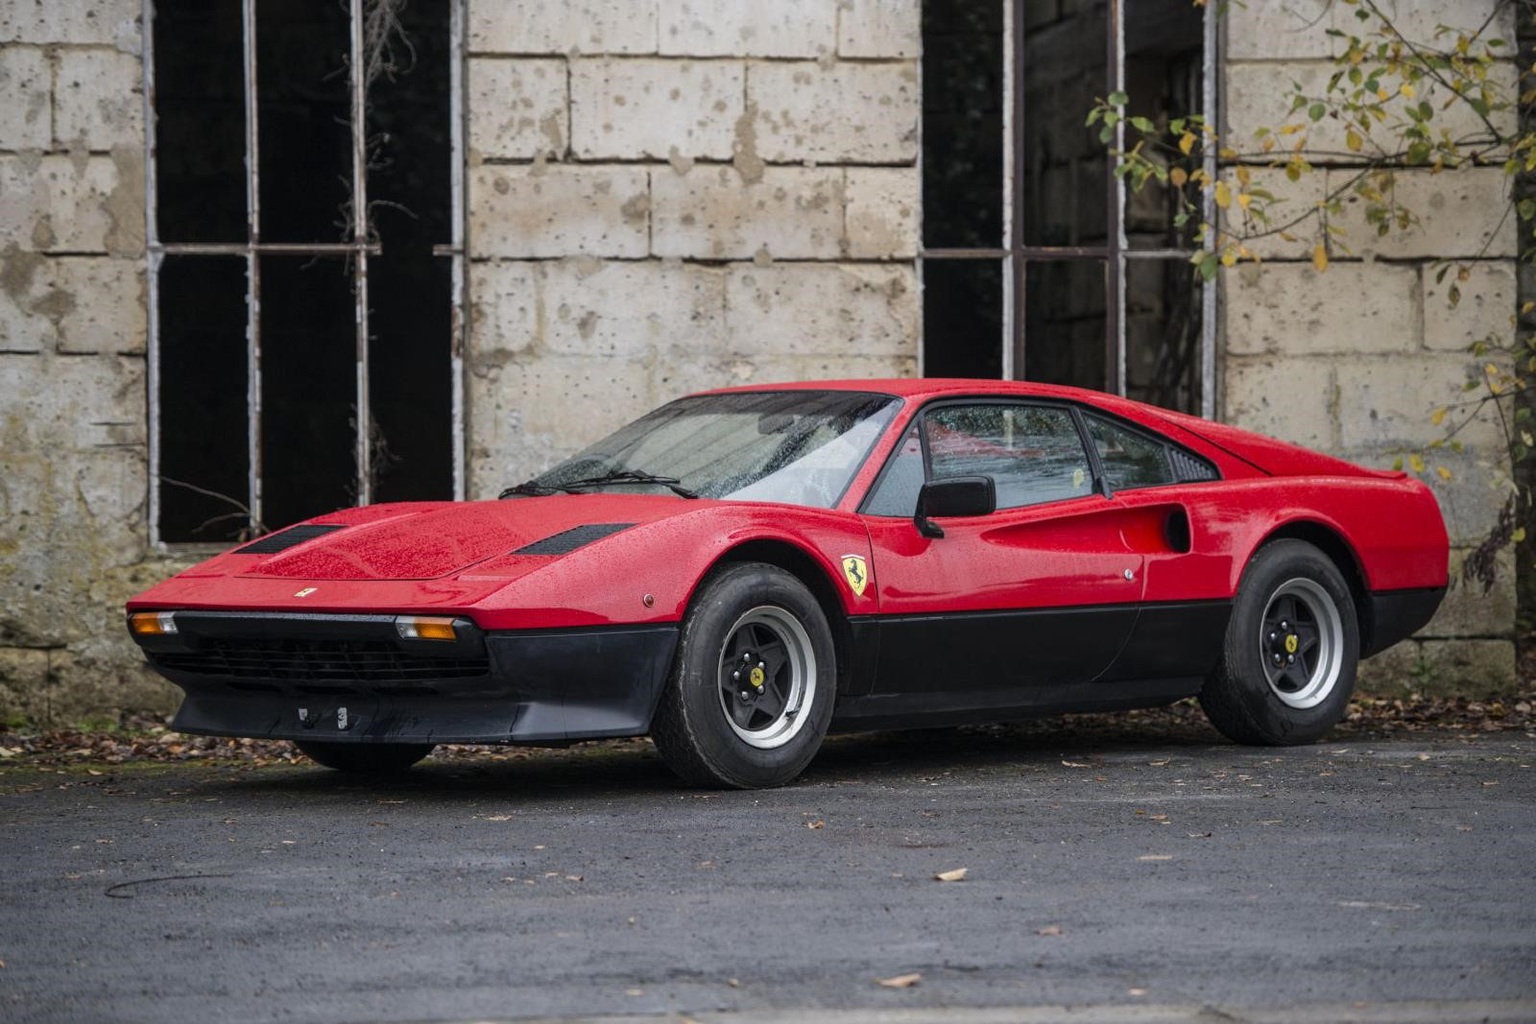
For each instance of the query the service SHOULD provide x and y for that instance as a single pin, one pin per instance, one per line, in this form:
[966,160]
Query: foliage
[1393,105]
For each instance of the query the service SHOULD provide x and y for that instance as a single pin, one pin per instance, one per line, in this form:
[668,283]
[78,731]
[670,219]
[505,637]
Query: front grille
[329,664]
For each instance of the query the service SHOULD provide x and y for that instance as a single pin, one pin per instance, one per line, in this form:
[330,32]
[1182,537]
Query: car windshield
[795,447]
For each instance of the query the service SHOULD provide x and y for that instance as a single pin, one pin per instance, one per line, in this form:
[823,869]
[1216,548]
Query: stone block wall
[1354,360]
[72,370]
[667,195]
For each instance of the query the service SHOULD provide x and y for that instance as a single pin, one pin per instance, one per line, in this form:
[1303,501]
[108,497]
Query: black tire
[364,758]
[1288,663]
[752,629]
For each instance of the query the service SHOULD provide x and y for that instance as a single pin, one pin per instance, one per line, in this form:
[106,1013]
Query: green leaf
[1118,99]
[1143,124]
[1209,264]
[1316,111]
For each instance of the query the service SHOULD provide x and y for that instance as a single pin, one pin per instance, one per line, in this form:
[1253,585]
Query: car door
[1012,608]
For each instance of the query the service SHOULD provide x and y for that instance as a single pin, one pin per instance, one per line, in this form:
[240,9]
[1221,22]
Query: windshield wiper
[529,488]
[615,476]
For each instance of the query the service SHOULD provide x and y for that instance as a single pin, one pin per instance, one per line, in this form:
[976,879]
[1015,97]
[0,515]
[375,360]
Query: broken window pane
[308,387]
[1163,332]
[1065,70]
[204,442]
[410,289]
[963,123]
[199,122]
[962,318]
[304,120]
[1065,329]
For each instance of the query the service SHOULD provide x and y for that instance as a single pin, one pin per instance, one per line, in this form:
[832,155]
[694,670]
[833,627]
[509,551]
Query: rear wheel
[370,758]
[1291,650]
[751,689]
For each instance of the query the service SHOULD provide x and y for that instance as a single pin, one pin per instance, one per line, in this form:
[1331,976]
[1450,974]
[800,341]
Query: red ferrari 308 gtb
[740,571]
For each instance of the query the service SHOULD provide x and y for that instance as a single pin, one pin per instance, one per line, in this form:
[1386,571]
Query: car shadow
[630,768]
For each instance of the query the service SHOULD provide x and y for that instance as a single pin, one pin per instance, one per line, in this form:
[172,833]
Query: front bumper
[341,678]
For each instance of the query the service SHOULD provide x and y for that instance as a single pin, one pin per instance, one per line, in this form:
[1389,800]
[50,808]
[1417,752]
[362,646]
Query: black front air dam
[533,687]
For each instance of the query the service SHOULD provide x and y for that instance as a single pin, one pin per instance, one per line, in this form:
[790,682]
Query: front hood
[434,540]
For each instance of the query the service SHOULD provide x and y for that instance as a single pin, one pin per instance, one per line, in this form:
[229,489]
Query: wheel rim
[1301,643]
[767,677]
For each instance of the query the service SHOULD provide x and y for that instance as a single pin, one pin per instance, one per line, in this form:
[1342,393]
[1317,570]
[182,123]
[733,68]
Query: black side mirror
[953,496]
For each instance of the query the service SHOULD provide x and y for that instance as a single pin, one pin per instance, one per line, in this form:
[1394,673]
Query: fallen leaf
[634,991]
[93,771]
[900,981]
[1135,991]
[957,875]
[733,982]
[494,817]
[818,823]
[1075,764]
[1155,856]
[1050,929]
[1198,835]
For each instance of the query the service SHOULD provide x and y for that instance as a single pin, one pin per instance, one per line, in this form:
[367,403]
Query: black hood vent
[272,543]
[568,541]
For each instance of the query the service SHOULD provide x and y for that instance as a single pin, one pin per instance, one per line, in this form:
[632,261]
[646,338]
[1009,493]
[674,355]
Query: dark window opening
[336,289]
[1094,287]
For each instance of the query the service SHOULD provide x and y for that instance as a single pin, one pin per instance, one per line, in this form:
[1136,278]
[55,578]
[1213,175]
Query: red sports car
[740,571]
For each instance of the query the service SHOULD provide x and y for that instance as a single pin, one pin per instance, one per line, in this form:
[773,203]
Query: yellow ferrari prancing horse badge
[853,571]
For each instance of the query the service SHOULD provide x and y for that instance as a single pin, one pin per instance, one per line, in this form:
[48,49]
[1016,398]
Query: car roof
[931,387]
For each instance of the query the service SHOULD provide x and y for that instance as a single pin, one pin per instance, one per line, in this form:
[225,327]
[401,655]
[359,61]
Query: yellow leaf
[1353,140]
[1228,257]
[1320,257]
[1406,89]
[1416,462]
[1445,474]
[1243,199]
[1518,535]
[1187,142]
[1177,177]
[1223,195]
[1438,416]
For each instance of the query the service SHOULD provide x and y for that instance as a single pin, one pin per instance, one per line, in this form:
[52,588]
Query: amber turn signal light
[425,627]
[152,623]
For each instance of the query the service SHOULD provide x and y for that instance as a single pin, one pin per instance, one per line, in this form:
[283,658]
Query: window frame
[356,249]
[1117,254]
[1079,412]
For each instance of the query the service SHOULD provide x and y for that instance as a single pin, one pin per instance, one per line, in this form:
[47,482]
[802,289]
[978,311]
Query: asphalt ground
[1107,877]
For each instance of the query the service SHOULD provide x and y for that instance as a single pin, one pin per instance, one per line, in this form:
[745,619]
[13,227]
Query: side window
[1130,459]
[1033,453]
[896,493]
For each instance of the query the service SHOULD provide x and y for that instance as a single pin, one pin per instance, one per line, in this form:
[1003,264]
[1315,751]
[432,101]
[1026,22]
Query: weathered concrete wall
[1354,360]
[72,336]
[666,195]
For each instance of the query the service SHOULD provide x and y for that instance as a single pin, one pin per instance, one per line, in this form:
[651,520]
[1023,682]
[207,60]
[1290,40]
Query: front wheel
[751,690]
[1292,646]
[364,758]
